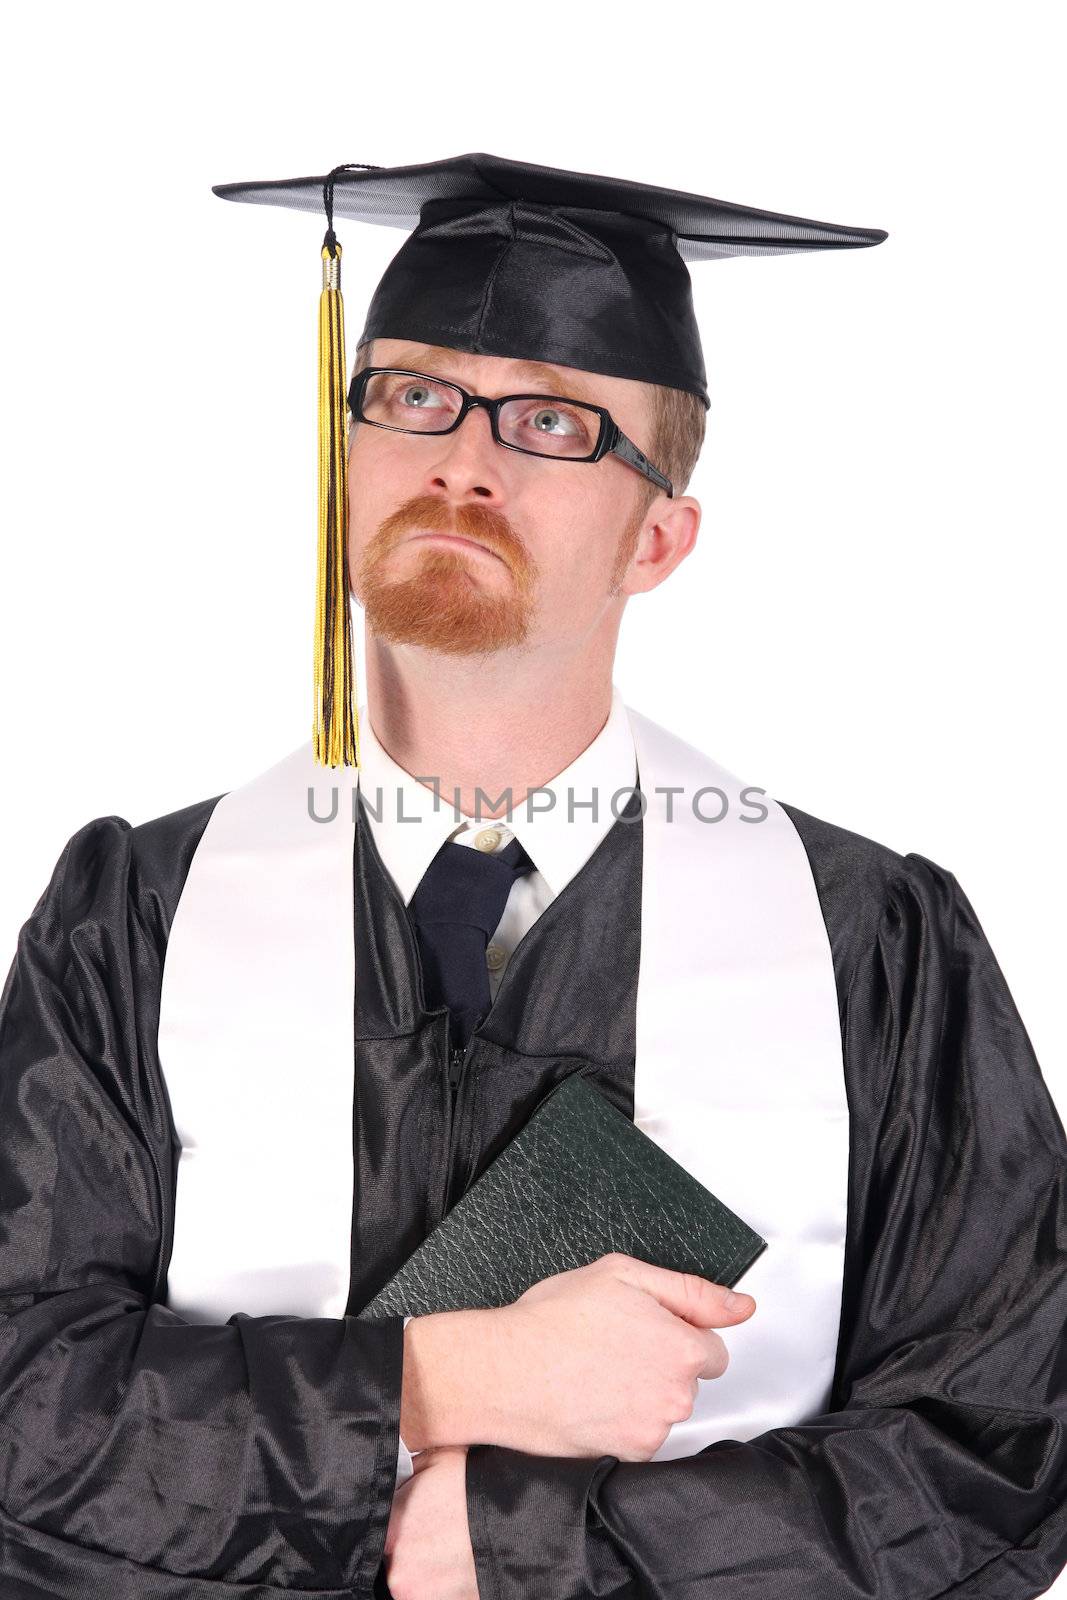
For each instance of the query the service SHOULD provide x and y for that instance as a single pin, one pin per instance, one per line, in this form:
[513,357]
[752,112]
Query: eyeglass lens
[545,425]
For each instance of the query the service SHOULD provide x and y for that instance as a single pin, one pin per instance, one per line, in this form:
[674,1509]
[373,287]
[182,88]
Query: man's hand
[428,1553]
[603,1359]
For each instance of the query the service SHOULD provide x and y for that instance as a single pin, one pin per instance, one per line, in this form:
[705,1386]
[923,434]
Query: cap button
[488,839]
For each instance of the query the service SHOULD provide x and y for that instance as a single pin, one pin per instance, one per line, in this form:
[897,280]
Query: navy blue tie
[456,908]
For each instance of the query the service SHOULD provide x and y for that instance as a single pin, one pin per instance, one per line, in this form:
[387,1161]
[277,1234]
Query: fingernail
[734,1302]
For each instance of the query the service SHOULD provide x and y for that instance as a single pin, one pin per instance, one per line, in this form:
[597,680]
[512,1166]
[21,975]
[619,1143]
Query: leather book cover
[578,1181]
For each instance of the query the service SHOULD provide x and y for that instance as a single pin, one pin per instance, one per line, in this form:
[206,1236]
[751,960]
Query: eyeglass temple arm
[624,447]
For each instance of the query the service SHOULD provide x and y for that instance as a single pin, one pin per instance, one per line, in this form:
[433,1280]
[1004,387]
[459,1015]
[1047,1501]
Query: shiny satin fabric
[220,1052]
[588,289]
[183,1446]
[511,258]
[737,1070]
[415,1157]
[940,1466]
[144,1455]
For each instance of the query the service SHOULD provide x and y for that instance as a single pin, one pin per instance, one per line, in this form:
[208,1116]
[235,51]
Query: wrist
[452,1390]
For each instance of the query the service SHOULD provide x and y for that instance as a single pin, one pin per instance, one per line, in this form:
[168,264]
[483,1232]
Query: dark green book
[579,1181]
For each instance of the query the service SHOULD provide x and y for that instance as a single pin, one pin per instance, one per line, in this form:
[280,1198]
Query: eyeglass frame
[612,440]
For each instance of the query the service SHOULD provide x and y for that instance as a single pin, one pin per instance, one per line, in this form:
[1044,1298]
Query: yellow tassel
[336,725]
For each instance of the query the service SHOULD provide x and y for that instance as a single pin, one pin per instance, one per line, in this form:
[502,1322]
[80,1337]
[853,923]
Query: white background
[870,624]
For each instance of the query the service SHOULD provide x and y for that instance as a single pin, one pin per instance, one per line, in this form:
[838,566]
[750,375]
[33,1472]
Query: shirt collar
[559,834]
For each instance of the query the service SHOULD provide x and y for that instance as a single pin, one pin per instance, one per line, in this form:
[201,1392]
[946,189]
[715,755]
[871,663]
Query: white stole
[739,1072]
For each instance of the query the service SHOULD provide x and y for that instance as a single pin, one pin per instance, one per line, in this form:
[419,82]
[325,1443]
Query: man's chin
[459,625]
[453,641]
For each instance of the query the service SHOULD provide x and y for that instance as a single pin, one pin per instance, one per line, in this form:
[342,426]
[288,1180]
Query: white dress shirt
[559,828]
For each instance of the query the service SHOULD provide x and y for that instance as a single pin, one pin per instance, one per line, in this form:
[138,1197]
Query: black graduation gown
[146,1457]
[940,1468]
[160,1458]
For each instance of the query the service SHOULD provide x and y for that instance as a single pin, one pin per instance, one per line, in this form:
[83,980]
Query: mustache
[471,521]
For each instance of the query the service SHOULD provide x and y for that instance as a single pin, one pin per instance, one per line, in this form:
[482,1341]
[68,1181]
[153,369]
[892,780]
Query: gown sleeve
[940,1468]
[142,1456]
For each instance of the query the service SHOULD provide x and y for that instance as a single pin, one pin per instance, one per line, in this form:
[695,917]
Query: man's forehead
[503,372]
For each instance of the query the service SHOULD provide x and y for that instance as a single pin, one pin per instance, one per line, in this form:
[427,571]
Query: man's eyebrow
[542,378]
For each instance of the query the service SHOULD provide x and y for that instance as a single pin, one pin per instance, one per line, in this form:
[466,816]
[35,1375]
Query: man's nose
[468,459]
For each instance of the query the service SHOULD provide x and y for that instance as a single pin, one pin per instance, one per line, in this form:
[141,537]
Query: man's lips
[456,538]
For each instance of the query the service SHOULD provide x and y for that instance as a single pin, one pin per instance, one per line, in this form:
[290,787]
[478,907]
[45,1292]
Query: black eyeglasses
[537,424]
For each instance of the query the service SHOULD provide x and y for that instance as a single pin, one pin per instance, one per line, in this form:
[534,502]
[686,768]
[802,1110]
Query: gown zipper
[457,1065]
[457,1056]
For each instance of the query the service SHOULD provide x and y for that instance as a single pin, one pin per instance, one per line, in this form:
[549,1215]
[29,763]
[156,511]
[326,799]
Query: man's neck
[491,736]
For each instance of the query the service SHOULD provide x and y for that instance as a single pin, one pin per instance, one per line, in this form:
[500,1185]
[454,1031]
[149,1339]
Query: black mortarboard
[508,258]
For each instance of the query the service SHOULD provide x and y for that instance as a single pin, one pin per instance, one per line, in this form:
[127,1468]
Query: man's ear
[667,536]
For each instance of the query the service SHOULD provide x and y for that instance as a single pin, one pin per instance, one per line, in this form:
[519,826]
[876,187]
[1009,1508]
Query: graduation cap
[508,258]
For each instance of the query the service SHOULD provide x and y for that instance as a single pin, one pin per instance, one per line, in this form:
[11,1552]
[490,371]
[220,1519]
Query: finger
[685,1294]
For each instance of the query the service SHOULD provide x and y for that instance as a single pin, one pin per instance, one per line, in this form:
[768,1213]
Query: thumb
[697,1300]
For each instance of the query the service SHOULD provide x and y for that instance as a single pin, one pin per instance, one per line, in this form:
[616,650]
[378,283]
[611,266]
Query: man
[199,1195]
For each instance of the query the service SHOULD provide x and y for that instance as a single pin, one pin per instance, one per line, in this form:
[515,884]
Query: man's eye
[559,429]
[555,419]
[421,396]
